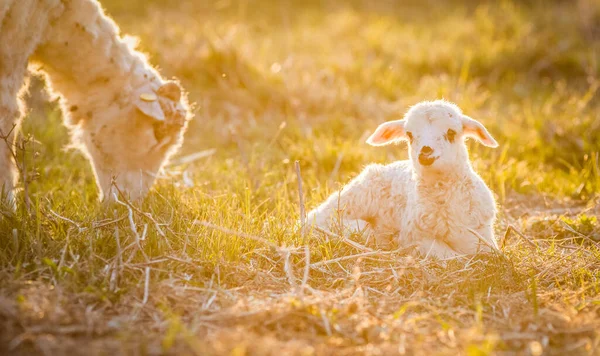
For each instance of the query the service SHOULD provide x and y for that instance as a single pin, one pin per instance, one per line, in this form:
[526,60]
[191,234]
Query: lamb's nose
[426,150]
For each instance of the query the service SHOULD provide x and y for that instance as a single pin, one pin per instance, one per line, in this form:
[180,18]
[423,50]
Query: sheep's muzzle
[426,160]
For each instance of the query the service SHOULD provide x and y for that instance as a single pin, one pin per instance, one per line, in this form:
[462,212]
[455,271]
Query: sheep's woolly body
[433,210]
[393,202]
[99,76]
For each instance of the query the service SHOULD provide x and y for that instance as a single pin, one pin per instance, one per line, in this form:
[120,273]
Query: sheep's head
[435,132]
[129,140]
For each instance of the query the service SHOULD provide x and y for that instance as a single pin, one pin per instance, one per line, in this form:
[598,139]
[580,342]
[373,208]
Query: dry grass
[213,261]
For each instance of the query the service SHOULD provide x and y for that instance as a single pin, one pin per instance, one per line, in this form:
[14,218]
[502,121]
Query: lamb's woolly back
[434,199]
[123,116]
[88,62]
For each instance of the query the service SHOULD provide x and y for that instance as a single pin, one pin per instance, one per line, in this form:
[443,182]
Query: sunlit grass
[280,82]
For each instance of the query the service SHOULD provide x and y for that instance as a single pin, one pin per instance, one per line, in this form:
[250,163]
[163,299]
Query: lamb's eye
[450,135]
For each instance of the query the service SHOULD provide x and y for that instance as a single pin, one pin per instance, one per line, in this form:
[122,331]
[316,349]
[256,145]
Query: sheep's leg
[469,243]
[354,225]
[435,248]
[10,115]
[339,211]
[22,25]
[351,208]
[328,216]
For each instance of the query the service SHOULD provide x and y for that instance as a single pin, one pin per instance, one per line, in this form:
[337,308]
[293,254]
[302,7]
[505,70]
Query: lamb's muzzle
[434,200]
[426,157]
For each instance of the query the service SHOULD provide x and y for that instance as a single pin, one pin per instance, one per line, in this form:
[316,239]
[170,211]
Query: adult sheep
[433,200]
[123,116]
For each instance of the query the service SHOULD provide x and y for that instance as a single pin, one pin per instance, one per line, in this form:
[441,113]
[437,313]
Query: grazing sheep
[433,200]
[122,115]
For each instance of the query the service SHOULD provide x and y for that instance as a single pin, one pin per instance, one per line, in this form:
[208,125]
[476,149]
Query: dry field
[212,262]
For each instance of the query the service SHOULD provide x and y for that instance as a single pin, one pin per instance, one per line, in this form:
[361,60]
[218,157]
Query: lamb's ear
[148,104]
[170,90]
[386,133]
[473,128]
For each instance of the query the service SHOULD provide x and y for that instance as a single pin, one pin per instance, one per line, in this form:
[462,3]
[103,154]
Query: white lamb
[123,116]
[434,200]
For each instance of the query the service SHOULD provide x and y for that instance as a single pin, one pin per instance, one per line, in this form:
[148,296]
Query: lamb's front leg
[438,249]
[336,214]
[22,23]
[469,241]
[10,83]
[350,208]
[8,173]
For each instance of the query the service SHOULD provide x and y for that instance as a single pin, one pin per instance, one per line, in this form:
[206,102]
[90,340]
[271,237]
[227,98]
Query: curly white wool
[433,200]
[101,78]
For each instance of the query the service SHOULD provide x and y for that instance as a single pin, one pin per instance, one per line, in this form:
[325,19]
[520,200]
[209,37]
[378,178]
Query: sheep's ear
[386,133]
[473,128]
[148,104]
[170,90]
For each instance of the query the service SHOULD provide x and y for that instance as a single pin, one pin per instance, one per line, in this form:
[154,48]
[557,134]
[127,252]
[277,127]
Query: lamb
[434,200]
[123,116]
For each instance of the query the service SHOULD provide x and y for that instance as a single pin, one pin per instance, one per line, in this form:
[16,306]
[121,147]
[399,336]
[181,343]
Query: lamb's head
[435,131]
[131,138]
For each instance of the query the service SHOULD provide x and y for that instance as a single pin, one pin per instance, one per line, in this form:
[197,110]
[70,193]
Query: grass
[220,267]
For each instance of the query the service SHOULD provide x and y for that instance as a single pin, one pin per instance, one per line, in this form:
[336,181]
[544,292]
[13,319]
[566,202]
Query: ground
[213,263]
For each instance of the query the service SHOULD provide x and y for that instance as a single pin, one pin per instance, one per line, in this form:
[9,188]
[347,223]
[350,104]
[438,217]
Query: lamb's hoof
[8,205]
[384,242]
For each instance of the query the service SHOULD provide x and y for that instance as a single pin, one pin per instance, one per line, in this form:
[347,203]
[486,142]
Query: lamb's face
[435,132]
[435,137]
[130,143]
